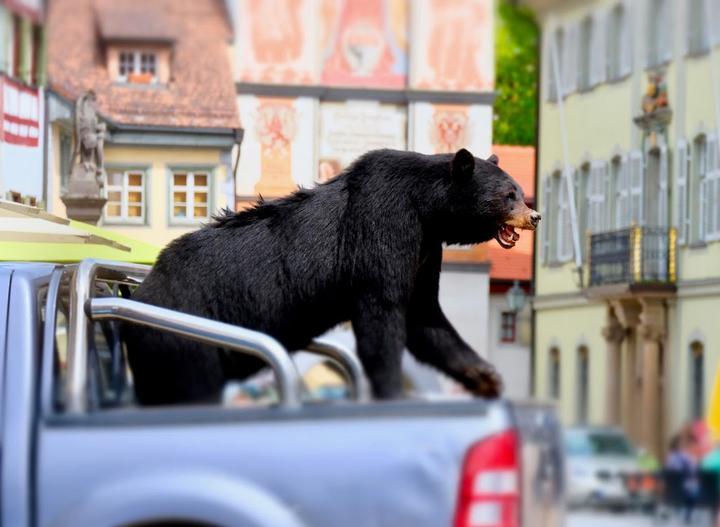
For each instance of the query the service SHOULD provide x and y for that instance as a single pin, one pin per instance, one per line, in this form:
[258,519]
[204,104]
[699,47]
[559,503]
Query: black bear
[364,247]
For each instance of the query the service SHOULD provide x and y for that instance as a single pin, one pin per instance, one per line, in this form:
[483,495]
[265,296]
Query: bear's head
[485,202]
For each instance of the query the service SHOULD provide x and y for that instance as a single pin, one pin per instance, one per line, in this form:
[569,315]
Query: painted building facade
[22,100]
[628,253]
[162,76]
[333,79]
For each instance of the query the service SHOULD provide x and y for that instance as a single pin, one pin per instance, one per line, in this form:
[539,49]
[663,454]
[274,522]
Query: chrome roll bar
[348,361]
[81,291]
[209,332]
[84,308]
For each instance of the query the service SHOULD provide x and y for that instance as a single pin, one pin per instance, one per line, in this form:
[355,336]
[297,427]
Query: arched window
[554,373]
[583,384]
[697,380]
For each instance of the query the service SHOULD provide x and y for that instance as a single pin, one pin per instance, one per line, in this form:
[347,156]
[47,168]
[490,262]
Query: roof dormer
[138,44]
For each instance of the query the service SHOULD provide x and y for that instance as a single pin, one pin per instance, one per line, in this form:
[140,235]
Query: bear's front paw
[483,380]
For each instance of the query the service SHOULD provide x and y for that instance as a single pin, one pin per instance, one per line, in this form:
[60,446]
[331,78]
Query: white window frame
[125,188]
[190,189]
[137,63]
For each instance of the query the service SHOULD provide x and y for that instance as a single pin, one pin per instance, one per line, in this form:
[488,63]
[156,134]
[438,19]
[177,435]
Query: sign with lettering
[348,130]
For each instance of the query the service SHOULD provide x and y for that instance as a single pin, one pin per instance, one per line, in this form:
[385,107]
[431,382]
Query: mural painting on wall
[275,124]
[453,45]
[276,41]
[449,128]
[348,130]
[364,43]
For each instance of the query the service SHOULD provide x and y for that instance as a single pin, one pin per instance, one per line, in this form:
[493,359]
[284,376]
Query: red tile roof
[201,91]
[519,162]
[515,263]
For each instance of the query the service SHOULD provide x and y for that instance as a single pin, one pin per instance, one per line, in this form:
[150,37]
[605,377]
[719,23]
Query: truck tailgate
[383,464]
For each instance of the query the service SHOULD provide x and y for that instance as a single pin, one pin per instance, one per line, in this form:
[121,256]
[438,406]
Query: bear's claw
[483,380]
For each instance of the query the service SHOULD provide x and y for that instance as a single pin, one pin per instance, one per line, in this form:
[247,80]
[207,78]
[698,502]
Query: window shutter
[622,195]
[551,46]
[666,30]
[714,37]
[545,226]
[570,60]
[711,191]
[598,178]
[626,41]
[564,232]
[681,193]
[636,180]
[598,54]
[662,220]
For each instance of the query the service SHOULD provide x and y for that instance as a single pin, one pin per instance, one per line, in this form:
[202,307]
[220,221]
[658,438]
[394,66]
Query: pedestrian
[680,460]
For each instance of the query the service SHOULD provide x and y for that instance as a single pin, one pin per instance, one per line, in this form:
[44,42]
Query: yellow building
[628,256]
[165,92]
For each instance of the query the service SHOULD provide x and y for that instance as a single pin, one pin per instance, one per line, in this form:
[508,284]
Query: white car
[599,462]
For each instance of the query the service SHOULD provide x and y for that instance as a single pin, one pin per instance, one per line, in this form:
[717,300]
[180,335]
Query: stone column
[614,334]
[652,332]
[627,312]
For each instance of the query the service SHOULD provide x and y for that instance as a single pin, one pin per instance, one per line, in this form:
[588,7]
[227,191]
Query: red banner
[20,113]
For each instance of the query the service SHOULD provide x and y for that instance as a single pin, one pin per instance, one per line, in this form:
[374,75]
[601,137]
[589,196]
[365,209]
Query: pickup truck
[75,450]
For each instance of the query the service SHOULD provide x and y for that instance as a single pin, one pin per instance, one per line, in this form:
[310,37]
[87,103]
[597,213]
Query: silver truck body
[338,464]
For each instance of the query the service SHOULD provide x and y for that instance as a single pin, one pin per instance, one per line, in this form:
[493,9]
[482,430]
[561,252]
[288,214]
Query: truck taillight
[490,484]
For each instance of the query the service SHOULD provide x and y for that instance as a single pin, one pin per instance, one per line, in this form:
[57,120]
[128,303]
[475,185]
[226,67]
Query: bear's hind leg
[380,335]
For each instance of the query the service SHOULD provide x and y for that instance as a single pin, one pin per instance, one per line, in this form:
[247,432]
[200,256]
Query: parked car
[603,469]
[77,451]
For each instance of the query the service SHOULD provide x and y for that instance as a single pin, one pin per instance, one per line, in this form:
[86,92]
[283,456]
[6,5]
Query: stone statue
[89,139]
[84,197]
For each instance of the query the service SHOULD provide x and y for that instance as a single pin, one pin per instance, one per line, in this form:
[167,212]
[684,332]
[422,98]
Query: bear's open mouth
[506,236]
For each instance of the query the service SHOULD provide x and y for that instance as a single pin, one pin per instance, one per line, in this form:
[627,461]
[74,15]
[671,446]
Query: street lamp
[516,297]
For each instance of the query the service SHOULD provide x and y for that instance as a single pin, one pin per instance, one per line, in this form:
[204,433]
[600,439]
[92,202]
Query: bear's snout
[523,217]
[535,218]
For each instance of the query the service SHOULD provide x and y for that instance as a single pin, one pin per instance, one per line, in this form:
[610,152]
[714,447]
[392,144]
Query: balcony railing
[637,255]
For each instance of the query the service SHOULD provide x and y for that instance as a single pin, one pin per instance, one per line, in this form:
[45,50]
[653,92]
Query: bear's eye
[511,196]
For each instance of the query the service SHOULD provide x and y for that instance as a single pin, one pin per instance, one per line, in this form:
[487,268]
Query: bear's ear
[463,163]
[494,159]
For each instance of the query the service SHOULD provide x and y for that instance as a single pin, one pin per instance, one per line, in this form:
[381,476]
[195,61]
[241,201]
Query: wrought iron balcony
[637,255]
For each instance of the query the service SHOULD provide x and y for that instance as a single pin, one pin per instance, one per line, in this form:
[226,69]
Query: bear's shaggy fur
[364,247]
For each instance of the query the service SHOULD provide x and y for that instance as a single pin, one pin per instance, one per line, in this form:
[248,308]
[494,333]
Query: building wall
[599,126]
[157,229]
[567,329]
[512,359]
[464,299]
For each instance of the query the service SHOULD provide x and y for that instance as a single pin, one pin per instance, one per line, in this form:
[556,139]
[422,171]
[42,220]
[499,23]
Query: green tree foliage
[516,42]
